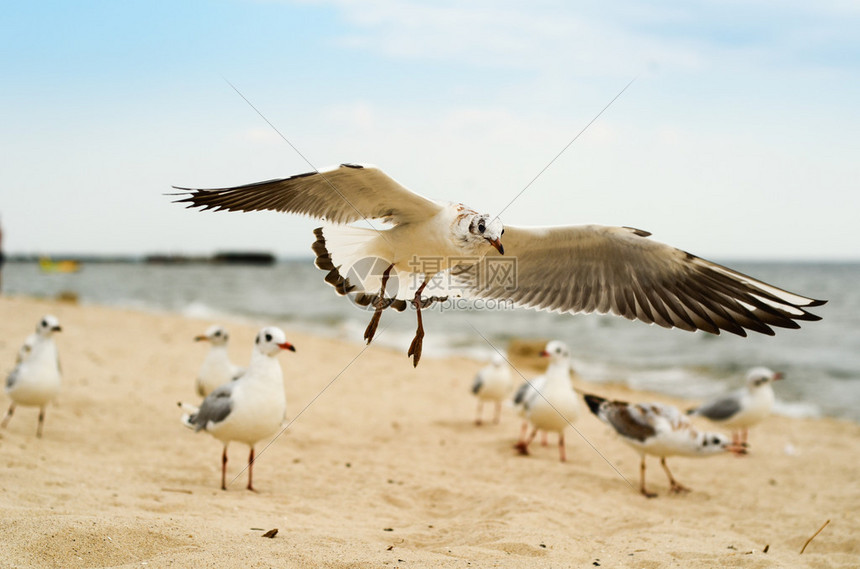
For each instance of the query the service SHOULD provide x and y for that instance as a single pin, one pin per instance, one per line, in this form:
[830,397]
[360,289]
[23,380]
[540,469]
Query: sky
[739,137]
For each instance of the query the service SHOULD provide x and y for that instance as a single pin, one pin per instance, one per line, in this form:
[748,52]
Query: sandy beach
[382,467]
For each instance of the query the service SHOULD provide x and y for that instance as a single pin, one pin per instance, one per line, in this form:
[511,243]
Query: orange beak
[778,375]
[287,346]
[498,245]
[544,354]
[201,339]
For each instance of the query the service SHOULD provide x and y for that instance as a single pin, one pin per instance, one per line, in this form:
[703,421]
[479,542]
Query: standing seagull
[35,381]
[217,369]
[660,430]
[571,269]
[524,393]
[492,383]
[554,405]
[745,407]
[252,407]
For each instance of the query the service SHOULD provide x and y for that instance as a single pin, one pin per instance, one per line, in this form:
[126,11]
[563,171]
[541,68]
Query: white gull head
[47,326]
[477,231]
[761,376]
[271,340]
[215,334]
[715,443]
[557,352]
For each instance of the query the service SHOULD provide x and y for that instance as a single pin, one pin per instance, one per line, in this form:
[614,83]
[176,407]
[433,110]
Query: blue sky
[739,138]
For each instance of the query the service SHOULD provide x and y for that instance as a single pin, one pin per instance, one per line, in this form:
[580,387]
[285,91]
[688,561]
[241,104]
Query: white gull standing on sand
[741,409]
[492,383]
[35,380]
[553,405]
[249,409]
[588,268]
[659,430]
[216,369]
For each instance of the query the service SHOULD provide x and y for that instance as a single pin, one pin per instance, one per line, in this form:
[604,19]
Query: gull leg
[642,489]
[379,303]
[479,413]
[544,439]
[251,470]
[498,415]
[8,415]
[41,422]
[224,469]
[674,487]
[523,446]
[418,341]
[524,430]
[562,454]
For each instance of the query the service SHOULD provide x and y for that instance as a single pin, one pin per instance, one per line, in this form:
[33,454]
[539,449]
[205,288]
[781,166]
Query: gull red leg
[8,415]
[562,453]
[674,487]
[524,430]
[642,489]
[418,341]
[41,422]
[498,414]
[523,445]
[379,303]
[479,412]
[251,470]
[224,469]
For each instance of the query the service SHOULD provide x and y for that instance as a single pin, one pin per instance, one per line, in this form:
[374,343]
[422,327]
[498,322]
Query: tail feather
[356,259]
[594,402]
[352,258]
[190,413]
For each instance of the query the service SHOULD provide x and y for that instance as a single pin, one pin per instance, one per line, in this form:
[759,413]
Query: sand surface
[383,468]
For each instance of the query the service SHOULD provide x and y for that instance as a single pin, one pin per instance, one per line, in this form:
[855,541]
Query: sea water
[821,361]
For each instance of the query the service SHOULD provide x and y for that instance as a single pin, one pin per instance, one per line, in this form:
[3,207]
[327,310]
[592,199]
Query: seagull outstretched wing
[593,268]
[344,194]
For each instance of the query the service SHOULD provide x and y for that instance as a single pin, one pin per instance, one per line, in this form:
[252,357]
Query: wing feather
[594,268]
[340,195]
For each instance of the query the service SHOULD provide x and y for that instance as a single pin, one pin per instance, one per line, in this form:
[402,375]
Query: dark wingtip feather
[593,402]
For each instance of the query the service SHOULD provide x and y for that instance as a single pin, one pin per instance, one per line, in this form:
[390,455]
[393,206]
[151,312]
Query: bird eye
[715,440]
[45,323]
[482,227]
[217,333]
[268,337]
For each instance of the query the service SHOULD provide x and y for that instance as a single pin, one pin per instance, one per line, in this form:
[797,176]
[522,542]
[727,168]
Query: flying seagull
[659,430]
[429,250]
[741,409]
[35,380]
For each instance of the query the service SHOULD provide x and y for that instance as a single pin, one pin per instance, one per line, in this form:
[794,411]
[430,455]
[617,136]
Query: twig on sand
[813,536]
